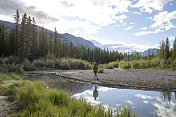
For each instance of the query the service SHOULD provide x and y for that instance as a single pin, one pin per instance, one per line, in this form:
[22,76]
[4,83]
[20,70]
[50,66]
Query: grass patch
[34,99]
[9,76]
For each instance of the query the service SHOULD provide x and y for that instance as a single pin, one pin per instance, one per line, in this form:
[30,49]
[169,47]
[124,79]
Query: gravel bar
[153,80]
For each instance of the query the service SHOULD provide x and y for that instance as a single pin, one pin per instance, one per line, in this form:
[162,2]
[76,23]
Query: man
[95,68]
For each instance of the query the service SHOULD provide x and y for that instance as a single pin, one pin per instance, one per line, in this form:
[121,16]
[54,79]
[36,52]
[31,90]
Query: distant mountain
[153,51]
[65,38]
[116,47]
[123,48]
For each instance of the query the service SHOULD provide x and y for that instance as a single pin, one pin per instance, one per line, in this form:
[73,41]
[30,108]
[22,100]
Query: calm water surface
[143,103]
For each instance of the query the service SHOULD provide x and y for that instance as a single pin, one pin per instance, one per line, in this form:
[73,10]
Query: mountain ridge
[65,37]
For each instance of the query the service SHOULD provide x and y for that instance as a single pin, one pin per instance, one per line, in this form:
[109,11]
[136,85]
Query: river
[142,103]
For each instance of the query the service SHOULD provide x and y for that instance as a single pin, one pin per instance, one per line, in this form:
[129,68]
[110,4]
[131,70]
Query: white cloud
[150,5]
[129,102]
[144,28]
[98,12]
[6,18]
[146,102]
[128,28]
[132,23]
[82,17]
[164,109]
[148,32]
[162,22]
[136,12]
[104,89]
[171,37]
[144,96]
[120,46]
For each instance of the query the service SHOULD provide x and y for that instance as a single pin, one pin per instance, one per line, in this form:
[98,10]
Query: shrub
[50,63]
[58,63]
[9,76]
[38,63]
[65,65]
[112,65]
[12,59]
[100,70]
[4,60]
[11,68]
[125,65]
[31,67]
[135,65]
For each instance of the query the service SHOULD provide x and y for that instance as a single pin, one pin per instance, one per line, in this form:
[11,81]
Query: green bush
[136,65]
[11,68]
[101,70]
[111,65]
[125,65]
[8,76]
[38,63]
[65,64]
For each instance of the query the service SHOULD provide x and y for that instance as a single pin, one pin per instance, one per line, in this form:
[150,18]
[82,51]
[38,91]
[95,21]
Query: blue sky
[134,24]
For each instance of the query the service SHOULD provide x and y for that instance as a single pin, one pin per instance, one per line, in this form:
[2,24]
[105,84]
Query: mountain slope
[65,38]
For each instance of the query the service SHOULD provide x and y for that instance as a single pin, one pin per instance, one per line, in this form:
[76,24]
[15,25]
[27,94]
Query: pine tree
[6,50]
[51,44]
[162,50]
[29,38]
[2,40]
[17,29]
[167,53]
[22,42]
[34,49]
[11,45]
[41,43]
[45,42]
[174,50]
[56,45]
[137,56]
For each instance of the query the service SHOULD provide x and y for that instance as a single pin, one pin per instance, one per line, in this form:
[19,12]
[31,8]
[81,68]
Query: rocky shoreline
[154,80]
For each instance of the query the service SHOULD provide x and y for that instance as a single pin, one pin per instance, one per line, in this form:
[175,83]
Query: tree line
[24,42]
[166,52]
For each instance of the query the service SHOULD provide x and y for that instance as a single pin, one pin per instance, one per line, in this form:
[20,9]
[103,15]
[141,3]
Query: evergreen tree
[42,52]
[167,53]
[174,50]
[34,49]
[17,29]
[22,42]
[162,50]
[12,45]
[137,56]
[51,44]
[56,45]
[29,38]
[2,40]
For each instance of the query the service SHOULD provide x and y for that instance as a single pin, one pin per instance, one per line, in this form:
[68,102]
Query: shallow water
[143,103]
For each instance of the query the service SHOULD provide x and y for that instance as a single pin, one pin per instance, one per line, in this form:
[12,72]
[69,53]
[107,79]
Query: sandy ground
[6,107]
[118,78]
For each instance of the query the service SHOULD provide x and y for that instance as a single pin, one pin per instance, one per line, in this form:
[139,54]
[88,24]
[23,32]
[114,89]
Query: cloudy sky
[136,24]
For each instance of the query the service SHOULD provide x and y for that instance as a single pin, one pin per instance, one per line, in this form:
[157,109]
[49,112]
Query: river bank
[117,78]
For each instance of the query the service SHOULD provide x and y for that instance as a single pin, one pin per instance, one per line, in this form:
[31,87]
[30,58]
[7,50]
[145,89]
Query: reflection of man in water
[95,93]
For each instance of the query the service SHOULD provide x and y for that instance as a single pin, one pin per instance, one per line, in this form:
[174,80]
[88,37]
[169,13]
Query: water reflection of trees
[61,84]
[167,95]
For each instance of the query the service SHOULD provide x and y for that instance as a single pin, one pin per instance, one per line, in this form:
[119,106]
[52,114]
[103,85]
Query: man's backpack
[95,67]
